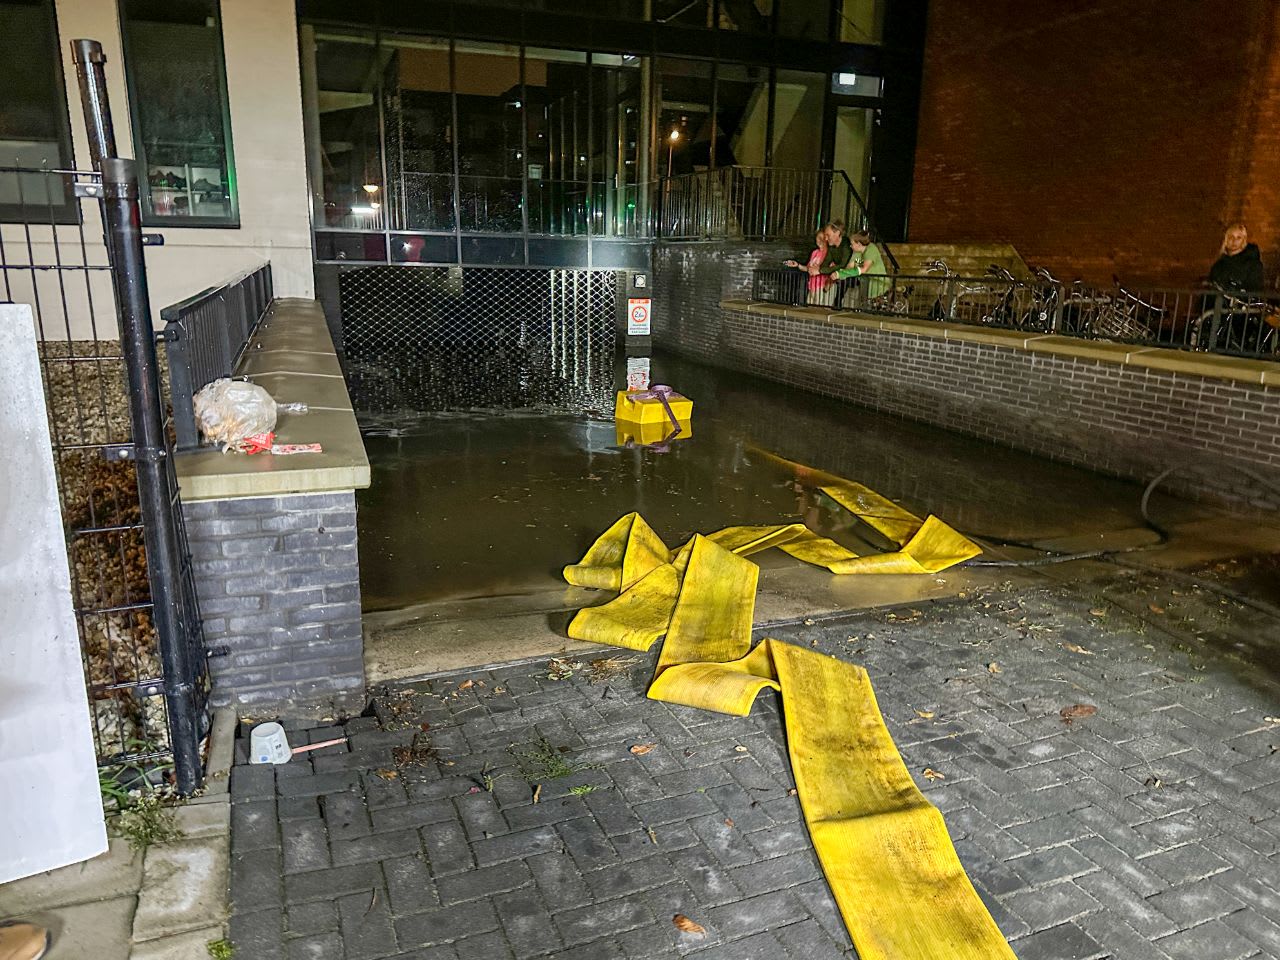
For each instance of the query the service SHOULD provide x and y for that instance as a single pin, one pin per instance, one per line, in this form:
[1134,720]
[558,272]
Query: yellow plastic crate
[651,410]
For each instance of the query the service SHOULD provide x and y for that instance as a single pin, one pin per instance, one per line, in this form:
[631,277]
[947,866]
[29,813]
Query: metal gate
[431,339]
[75,256]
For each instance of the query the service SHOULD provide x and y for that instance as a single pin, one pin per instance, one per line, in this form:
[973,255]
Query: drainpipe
[644,150]
[311,121]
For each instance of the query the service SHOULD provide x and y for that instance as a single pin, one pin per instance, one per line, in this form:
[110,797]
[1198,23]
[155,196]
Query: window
[178,103]
[33,111]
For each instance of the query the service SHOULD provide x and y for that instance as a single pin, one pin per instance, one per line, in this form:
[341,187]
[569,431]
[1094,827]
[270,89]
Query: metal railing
[205,336]
[727,203]
[1234,323]
[755,203]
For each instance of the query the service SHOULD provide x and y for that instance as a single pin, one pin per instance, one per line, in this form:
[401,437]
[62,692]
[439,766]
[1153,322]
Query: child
[821,287]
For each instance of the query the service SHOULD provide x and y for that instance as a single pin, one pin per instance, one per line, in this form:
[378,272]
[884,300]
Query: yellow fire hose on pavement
[884,848]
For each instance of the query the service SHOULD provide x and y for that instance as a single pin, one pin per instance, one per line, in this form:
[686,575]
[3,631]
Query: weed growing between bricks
[1142,830]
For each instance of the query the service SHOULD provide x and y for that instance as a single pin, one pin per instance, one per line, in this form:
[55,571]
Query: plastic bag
[228,412]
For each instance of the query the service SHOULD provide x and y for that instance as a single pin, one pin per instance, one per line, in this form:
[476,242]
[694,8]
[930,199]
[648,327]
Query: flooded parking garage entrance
[486,486]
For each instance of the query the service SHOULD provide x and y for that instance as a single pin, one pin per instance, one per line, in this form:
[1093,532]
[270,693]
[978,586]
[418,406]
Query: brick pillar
[279,586]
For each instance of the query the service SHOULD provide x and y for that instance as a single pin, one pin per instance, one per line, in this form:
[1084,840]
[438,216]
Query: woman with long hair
[821,287]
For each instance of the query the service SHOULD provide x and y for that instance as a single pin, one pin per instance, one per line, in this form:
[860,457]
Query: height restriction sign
[639,314]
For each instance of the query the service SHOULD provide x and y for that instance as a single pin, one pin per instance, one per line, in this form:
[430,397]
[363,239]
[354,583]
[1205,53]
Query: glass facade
[449,146]
[33,109]
[178,95]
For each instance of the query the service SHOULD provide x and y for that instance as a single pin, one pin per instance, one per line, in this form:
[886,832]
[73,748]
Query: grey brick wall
[1121,420]
[279,586]
[690,280]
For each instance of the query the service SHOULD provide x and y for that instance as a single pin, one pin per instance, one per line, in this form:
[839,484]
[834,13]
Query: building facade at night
[480,133]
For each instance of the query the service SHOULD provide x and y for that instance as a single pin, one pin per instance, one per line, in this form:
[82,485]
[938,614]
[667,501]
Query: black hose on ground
[1055,556]
[1115,555]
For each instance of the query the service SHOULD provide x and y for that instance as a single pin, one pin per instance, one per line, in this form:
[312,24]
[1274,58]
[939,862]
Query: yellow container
[650,410]
[643,434]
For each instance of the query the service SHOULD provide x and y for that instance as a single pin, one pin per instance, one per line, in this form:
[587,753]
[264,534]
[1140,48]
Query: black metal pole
[91,72]
[150,450]
[122,230]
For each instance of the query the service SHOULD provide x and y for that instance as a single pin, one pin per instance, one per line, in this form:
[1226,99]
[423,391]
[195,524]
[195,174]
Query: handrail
[1228,322]
[205,336]
[758,203]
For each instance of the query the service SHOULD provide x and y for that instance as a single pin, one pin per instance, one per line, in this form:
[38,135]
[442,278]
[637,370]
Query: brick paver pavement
[1147,830]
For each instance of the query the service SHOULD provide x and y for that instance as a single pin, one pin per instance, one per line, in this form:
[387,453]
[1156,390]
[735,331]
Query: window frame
[149,217]
[67,212]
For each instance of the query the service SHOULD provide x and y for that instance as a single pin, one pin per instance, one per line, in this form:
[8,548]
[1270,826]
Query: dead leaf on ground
[728,821]
[1155,608]
[1097,611]
[792,792]
[739,749]
[537,793]
[466,684]
[640,749]
[653,837]
[924,714]
[387,774]
[1076,648]
[686,925]
[932,774]
[1077,711]
[994,667]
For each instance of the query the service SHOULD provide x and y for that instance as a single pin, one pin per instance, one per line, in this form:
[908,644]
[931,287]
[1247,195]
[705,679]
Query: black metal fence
[206,335]
[757,203]
[1235,323]
[75,256]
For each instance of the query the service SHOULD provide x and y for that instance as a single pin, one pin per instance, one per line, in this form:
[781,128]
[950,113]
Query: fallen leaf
[1155,608]
[1077,711]
[1076,648]
[924,714]
[994,667]
[792,792]
[640,749]
[728,821]
[809,622]
[739,749]
[537,793]
[466,684]
[1097,611]
[387,774]
[1153,782]
[653,837]
[932,774]
[686,925]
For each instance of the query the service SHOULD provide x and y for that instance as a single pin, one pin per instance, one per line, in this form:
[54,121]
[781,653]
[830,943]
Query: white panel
[50,808]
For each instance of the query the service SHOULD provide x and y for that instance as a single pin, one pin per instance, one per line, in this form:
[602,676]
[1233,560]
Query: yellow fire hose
[884,848]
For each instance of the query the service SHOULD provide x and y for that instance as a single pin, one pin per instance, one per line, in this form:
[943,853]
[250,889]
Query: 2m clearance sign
[639,315]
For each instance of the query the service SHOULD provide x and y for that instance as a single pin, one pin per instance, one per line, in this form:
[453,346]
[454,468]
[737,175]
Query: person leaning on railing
[866,259]
[821,287]
[1239,263]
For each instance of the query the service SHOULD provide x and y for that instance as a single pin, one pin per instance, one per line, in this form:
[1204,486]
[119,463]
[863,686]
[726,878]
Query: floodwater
[493,503]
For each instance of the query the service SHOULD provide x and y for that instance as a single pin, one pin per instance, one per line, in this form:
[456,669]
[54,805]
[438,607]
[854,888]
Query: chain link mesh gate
[436,339]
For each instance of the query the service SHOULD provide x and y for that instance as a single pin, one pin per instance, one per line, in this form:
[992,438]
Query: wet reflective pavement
[491,504]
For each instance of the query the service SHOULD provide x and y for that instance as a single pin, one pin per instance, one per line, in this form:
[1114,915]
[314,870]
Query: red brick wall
[1102,136]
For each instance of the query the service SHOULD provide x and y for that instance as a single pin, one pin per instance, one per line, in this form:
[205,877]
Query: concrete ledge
[293,358]
[1210,365]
